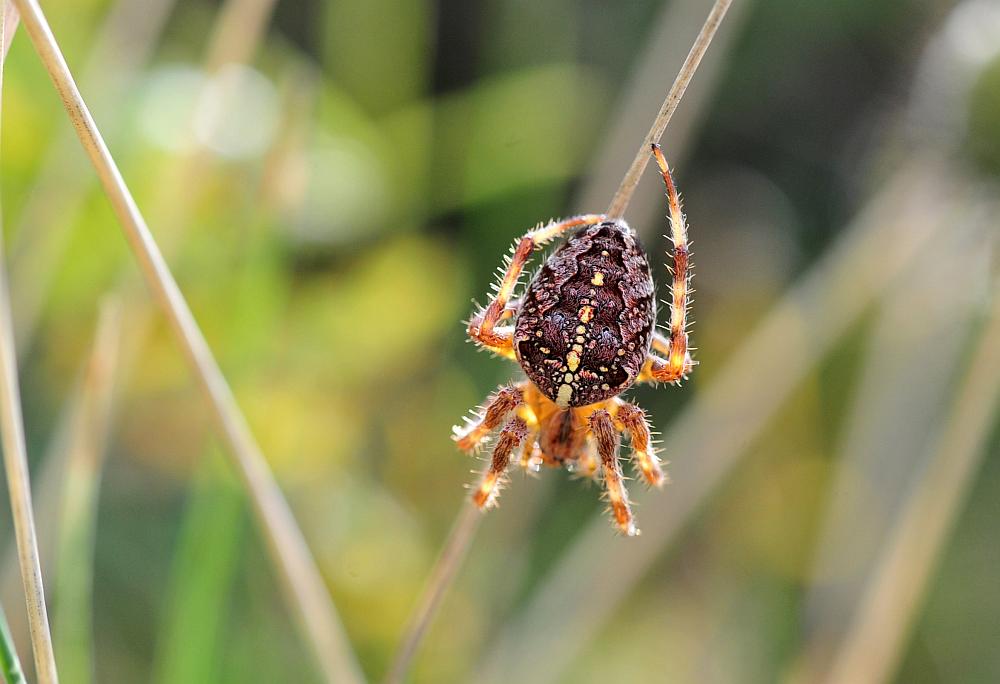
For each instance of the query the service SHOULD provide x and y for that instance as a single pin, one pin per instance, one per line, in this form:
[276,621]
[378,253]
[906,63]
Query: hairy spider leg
[510,438]
[482,326]
[631,419]
[498,407]
[677,363]
[607,438]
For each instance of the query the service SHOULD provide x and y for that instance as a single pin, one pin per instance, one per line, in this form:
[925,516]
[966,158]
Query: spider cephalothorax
[584,332]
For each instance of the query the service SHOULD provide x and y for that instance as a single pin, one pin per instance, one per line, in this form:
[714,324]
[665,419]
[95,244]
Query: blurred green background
[334,182]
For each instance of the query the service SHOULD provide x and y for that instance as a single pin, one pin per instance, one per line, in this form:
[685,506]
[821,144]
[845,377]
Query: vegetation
[330,183]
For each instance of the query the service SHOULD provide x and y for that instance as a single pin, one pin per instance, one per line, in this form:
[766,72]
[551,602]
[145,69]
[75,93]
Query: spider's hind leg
[632,419]
[510,438]
[607,438]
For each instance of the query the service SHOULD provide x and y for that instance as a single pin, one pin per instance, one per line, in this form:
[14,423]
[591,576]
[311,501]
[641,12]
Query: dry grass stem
[127,38]
[238,30]
[709,437]
[47,487]
[44,229]
[10,21]
[455,549]
[621,199]
[874,644]
[73,613]
[643,94]
[16,466]
[300,578]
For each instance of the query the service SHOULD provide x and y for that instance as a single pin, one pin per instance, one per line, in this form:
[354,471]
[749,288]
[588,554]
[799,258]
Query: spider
[584,332]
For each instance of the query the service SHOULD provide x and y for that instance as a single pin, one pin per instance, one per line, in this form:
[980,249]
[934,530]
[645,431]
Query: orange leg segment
[497,409]
[678,362]
[607,439]
[632,420]
[513,433]
[482,327]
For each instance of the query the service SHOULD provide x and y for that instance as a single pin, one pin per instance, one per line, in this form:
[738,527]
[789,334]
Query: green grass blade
[206,561]
[10,664]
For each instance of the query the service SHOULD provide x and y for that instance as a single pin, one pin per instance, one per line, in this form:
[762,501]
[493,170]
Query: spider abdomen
[586,322]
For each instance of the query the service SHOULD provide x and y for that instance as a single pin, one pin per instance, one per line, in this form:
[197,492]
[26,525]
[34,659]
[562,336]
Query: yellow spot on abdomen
[573,361]
[598,279]
[586,313]
[563,397]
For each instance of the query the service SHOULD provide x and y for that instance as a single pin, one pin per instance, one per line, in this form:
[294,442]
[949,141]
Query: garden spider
[584,332]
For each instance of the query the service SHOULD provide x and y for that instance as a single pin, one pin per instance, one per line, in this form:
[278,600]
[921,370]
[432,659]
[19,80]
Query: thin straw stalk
[300,578]
[10,21]
[16,466]
[43,230]
[623,196]
[456,547]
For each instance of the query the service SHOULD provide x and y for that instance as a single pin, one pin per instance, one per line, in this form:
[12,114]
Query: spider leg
[632,419]
[678,362]
[661,346]
[498,407]
[510,438]
[607,438]
[482,326]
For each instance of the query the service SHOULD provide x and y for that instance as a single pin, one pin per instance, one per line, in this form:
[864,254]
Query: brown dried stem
[300,578]
[624,194]
[455,549]
[16,465]
[10,21]
[117,56]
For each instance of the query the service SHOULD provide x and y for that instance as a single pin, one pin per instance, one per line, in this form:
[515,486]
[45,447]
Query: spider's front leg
[677,362]
[603,430]
[510,439]
[483,325]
